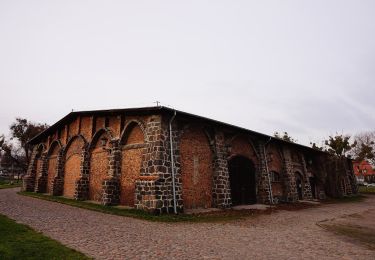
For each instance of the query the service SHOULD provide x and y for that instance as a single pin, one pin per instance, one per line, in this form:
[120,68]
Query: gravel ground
[281,235]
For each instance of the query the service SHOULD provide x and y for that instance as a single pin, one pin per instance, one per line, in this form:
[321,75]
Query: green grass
[368,190]
[18,241]
[5,184]
[225,215]
[348,199]
[356,233]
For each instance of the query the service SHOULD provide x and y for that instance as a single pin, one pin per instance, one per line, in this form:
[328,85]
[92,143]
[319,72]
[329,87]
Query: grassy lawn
[5,184]
[225,215]
[18,241]
[355,233]
[349,199]
[369,190]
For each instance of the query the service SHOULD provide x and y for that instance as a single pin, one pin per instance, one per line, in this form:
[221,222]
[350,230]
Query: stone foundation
[28,183]
[57,186]
[82,189]
[41,184]
[111,192]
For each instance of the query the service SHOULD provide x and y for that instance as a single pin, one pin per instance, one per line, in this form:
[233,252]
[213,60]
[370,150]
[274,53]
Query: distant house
[364,171]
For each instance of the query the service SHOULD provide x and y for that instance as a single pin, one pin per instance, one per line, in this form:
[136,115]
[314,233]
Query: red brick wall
[86,127]
[100,122]
[136,136]
[63,135]
[98,169]
[196,169]
[130,167]
[72,166]
[275,163]
[241,146]
[52,163]
[73,127]
[114,125]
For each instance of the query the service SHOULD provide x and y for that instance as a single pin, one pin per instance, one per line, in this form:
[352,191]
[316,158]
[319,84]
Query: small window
[275,177]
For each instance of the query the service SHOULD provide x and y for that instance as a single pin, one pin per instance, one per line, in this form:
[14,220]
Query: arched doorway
[242,180]
[196,169]
[299,183]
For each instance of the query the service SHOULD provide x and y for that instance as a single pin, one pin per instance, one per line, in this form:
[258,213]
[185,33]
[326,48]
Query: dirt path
[282,235]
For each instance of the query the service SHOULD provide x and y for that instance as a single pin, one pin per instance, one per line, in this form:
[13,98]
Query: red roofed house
[364,171]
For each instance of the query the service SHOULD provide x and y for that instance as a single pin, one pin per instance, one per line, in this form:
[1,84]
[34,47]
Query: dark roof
[148,110]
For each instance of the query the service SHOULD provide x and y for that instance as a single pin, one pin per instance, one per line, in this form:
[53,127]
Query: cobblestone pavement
[282,235]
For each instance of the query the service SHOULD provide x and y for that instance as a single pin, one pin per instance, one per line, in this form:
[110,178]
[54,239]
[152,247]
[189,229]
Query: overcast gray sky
[306,67]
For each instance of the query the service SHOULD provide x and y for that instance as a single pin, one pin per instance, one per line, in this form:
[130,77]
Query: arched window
[275,176]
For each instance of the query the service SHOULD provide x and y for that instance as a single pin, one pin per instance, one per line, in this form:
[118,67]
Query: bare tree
[339,145]
[16,151]
[365,147]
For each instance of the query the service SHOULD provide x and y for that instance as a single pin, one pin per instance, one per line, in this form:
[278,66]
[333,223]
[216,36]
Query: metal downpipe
[172,163]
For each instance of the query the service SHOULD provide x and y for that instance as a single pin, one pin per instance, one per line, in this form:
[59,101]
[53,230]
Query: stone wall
[221,192]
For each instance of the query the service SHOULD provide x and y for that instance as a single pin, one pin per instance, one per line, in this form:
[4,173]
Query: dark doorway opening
[298,178]
[242,180]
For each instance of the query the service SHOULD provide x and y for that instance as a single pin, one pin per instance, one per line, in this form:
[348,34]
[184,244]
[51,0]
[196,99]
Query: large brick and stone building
[162,160]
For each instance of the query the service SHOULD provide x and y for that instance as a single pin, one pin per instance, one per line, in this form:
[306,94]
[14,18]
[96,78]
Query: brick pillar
[263,182]
[29,179]
[221,192]
[111,185]
[307,194]
[154,187]
[82,184]
[41,176]
[58,181]
[289,179]
[145,191]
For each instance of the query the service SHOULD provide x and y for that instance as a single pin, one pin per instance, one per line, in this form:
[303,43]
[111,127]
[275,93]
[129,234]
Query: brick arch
[128,129]
[72,163]
[207,130]
[72,139]
[52,161]
[99,162]
[132,149]
[241,145]
[196,160]
[53,146]
[98,135]
[40,150]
